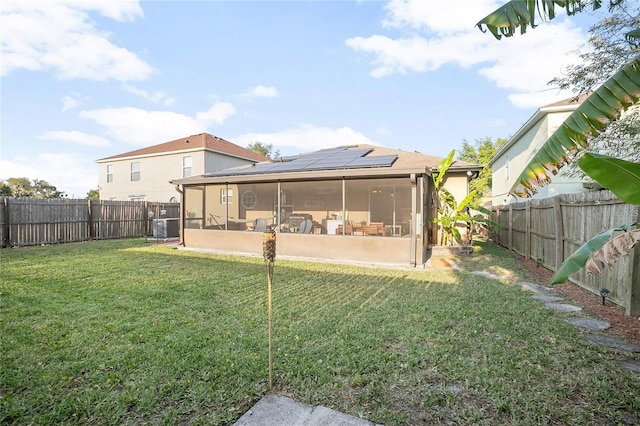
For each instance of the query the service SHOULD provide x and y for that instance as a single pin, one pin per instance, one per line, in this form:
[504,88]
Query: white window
[249,199]
[186,166]
[109,173]
[135,172]
[226,196]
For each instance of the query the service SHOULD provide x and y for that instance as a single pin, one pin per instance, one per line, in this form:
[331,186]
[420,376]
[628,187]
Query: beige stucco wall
[155,173]
[512,162]
[458,185]
[368,249]
[214,162]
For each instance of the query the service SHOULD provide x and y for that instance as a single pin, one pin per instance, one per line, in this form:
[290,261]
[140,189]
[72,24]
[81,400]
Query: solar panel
[324,159]
[329,163]
[377,161]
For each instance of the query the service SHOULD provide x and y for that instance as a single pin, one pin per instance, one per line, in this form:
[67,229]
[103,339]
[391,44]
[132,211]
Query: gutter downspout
[181,192]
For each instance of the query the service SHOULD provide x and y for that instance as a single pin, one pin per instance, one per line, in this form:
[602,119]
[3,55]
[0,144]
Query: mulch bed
[622,325]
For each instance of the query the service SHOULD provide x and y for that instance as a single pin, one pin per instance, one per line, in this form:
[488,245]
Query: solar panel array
[325,159]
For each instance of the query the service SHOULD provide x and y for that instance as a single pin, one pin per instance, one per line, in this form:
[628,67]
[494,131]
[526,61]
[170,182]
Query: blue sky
[86,79]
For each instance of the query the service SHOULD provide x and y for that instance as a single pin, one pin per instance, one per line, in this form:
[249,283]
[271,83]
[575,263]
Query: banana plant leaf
[579,258]
[522,13]
[620,176]
[604,105]
[633,37]
[466,201]
[442,168]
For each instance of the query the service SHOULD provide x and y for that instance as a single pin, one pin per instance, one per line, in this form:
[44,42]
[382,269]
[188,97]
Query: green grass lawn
[126,332]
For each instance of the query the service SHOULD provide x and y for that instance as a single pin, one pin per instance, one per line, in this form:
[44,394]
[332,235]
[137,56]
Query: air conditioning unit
[166,228]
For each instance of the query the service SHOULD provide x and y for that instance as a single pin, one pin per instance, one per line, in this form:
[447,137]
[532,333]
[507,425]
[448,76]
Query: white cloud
[305,138]
[420,14]
[383,131]
[140,127]
[441,36]
[69,103]
[60,36]
[217,114]
[527,75]
[263,92]
[155,97]
[75,137]
[396,56]
[67,172]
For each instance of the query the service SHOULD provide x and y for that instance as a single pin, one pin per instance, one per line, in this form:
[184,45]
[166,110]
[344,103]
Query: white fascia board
[157,154]
[539,115]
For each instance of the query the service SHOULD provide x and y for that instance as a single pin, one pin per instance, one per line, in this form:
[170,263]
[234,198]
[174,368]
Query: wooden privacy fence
[32,221]
[550,230]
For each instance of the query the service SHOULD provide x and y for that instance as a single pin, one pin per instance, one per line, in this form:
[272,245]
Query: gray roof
[344,161]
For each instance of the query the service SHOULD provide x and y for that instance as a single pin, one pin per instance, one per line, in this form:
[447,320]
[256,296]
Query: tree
[481,152]
[608,48]
[43,189]
[619,91]
[451,213]
[621,139]
[93,194]
[266,150]
[5,189]
[23,187]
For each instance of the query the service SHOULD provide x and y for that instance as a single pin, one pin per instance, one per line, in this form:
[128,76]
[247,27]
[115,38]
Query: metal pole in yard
[269,252]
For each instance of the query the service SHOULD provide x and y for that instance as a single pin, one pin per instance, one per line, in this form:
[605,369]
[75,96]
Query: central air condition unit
[166,228]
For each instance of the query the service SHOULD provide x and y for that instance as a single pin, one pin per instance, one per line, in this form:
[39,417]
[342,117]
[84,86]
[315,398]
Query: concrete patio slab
[589,323]
[284,411]
[563,307]
[612,342]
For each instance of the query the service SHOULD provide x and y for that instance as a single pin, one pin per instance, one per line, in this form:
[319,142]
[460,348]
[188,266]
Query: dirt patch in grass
[622,325]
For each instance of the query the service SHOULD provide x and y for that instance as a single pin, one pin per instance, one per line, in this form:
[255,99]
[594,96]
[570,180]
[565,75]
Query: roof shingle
[199,141]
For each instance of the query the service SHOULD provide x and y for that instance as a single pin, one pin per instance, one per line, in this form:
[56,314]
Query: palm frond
[515,14]
[617,247]
[620,176]
[582,255]
[602,107]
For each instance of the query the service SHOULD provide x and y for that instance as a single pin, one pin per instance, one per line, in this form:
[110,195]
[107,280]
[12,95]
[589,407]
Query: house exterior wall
[326,247]
[214,162]
[155,173]
[405,241]
[371,214]
[458,185]
[509,164]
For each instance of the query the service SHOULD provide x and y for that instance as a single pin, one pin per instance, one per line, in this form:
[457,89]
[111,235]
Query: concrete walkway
[593,327]
[283,411]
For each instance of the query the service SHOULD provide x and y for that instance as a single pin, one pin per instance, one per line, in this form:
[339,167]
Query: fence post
[557,211]
[511,227]
[90,220]
[498,231]
[633,301]
[527,229]
[6,238]
[145,215]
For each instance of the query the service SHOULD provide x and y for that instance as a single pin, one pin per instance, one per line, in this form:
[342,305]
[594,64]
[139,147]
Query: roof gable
[565,106]
[203,141]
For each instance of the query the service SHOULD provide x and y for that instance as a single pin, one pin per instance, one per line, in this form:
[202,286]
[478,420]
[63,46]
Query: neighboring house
[144,174]
[511,160]
[358,203]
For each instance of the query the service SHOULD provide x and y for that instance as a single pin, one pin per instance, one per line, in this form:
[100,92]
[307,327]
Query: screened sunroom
[359,203]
